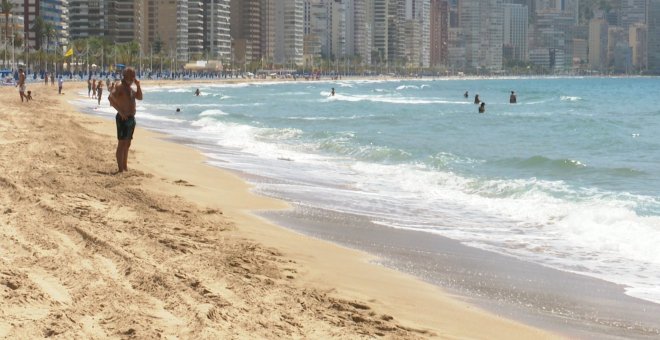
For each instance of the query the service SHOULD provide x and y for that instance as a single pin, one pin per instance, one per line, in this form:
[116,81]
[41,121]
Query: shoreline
[177,225]
[573,310]
[573,305]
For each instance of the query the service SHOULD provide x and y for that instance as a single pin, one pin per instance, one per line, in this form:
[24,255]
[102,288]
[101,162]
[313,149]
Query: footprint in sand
[52,287]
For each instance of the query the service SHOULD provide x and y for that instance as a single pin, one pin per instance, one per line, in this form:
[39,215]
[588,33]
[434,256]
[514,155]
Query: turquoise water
[568,177]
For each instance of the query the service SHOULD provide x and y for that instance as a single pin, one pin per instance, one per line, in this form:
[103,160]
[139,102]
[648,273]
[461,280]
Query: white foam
[389,99]
[214,112]
[180,90]
[407,87]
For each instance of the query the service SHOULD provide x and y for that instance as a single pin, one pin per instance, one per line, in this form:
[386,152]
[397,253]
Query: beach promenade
[171,248]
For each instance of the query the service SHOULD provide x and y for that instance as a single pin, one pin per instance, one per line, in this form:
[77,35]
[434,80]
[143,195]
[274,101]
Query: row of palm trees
[5,8]
[48,55]
[92,54]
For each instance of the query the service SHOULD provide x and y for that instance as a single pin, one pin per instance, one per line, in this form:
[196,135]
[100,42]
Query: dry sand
[171,248]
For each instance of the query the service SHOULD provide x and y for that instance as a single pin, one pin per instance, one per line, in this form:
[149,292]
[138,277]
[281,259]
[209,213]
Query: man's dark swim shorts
[125,128]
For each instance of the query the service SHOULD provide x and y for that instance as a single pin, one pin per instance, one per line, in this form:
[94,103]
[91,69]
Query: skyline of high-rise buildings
[470,35]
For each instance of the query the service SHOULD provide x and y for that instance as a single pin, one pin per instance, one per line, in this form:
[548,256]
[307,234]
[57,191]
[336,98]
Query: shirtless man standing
[122,98]
[21,84]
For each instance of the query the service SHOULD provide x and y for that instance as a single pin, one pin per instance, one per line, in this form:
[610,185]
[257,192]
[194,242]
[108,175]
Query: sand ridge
[88,253]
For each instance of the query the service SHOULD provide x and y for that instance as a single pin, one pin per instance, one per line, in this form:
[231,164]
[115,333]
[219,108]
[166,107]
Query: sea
[569,177]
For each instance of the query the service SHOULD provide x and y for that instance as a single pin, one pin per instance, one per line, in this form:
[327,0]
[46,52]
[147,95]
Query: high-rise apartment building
[245,30]
[653,25]
[327,23]
[167,26]
[217,37]
[396,32]
[555,30]
[381,31]
[53,12]
[195,29]
[56,12]
[418,32]
[439,35]
[87,19]
[598,43]
[124,20]
[638,41]
[515,30]
[619,54]
[359,15]
[282,31]
[482,27]
[632,12]
[311,33]
[120,21]
[580,51]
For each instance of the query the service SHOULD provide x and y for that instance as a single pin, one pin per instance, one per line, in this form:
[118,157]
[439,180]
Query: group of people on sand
[95,88]
[513,99]
[26,95]
[52,79]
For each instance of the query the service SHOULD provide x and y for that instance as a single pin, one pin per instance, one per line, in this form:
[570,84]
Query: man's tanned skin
[122,98]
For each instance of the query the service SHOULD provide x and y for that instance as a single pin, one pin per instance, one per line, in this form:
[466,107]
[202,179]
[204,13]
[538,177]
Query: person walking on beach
[89,86]
[52,79]
[60,83]
[99,91]
[122,98]
[93,88]
[46,78]
[512,98]
[21,84]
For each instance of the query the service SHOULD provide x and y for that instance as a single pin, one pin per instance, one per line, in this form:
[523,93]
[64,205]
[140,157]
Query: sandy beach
[173,248]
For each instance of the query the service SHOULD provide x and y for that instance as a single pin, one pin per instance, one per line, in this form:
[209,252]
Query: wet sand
[569,304]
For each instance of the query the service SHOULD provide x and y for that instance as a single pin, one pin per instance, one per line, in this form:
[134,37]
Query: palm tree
[127,52]
[6,9]
[39,29]
[49,33]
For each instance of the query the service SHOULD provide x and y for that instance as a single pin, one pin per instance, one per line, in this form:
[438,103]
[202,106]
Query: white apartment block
[359,16]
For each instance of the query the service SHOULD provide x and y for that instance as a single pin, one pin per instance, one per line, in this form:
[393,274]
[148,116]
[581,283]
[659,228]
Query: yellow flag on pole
[69,52]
